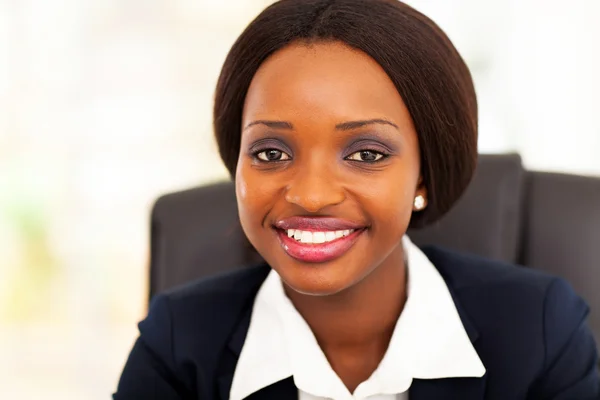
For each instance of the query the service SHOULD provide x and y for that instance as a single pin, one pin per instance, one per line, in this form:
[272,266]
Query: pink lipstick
[317,240]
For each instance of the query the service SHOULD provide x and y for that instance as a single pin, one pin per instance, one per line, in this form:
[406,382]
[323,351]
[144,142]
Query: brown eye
[365,156]
[272,155]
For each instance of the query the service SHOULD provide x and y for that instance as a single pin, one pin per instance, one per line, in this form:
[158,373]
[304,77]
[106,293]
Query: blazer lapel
[449,388]
[228,359]
[282,390]
[452,388]
[231,354]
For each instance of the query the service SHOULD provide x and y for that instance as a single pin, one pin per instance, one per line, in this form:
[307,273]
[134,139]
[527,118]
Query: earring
[419,202]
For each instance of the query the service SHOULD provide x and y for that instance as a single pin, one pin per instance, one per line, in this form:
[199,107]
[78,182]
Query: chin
[314,288]
[324,279]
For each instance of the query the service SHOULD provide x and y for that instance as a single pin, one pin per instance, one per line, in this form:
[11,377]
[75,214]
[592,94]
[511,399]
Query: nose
[314,188]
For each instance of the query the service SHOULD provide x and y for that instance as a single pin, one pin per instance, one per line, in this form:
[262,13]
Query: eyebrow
[347,126]
[271,124]
[344,126]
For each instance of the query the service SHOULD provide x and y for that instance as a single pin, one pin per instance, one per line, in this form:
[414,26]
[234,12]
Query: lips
[311,252]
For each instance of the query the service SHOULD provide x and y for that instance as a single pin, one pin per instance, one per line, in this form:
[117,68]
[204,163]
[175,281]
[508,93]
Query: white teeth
[317,237]
[307,237]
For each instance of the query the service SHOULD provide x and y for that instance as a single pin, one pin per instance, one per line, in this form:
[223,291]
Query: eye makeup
[269,143]
[351,144]
[372,142]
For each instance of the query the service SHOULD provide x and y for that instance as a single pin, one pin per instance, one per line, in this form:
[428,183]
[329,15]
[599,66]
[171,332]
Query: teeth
[306,237]
[317,237]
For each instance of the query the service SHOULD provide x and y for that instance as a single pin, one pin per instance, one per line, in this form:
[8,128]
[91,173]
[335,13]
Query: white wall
[536,65]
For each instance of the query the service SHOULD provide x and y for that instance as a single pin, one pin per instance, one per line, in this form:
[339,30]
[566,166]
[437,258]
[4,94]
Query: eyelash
[383,155]
[256,153]
[377,152]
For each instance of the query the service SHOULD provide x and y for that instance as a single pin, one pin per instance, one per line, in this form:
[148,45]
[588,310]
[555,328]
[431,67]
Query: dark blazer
[527,327]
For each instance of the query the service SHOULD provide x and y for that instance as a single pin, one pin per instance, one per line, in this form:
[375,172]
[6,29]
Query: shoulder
[181,346]
[194,322]
[479,282]
[463,272]
[214,300]
[527,321]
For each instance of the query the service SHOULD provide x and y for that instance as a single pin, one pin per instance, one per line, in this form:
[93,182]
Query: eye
[366,156]
[271,155]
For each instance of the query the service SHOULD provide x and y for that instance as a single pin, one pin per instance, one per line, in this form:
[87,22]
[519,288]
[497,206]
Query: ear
[420,199]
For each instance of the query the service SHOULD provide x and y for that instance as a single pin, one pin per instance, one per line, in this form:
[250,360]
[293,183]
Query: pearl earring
[419,202]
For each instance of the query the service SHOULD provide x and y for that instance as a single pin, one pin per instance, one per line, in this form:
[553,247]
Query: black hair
[428,72]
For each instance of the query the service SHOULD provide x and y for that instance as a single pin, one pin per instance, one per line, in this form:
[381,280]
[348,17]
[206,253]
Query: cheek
[389,202]
[245,186]
[254,197]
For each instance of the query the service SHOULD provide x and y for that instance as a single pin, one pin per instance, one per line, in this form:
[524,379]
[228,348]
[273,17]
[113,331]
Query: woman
[344,122]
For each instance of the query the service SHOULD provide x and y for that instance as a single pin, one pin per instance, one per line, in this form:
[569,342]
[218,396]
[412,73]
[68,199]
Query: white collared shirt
[428,342]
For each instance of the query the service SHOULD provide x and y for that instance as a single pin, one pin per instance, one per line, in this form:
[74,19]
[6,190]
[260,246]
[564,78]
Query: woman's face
[328,168]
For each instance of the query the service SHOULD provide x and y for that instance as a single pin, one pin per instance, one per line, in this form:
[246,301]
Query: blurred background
[106,104]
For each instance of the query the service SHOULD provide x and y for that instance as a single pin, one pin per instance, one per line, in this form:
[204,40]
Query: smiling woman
[334,149]
[344,123]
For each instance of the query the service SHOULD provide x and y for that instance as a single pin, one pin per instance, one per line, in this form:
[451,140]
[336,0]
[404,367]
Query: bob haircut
[429,74]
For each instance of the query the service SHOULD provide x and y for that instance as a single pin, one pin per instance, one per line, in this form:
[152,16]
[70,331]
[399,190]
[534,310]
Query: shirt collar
[428,342]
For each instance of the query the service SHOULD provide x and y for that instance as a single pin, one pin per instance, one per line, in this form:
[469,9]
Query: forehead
[322,80]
